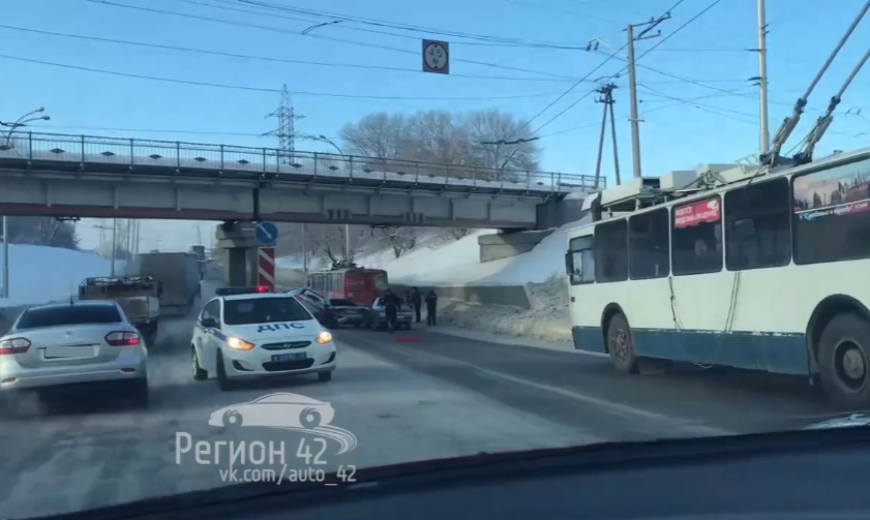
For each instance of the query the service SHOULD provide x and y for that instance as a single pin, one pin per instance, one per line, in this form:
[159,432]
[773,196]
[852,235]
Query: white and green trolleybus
[743,268]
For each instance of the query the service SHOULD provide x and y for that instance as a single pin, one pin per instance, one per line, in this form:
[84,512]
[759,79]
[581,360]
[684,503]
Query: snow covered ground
[458,263]
[443,262]
[39,274]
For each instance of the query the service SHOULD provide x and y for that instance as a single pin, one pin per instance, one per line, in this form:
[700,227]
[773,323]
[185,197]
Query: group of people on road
[415,299]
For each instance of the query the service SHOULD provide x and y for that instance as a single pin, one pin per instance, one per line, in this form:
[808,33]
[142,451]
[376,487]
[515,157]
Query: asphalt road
[442,396]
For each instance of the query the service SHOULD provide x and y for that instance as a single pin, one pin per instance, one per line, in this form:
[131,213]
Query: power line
[255,57]
[393,25]
[483,40]
[263,89]
[589,93]
[319,36]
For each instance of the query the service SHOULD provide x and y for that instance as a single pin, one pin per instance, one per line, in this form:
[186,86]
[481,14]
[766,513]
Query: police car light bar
[229,291]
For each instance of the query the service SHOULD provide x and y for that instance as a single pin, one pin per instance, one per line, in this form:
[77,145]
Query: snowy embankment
[39,274]
[540,271]
[457,263]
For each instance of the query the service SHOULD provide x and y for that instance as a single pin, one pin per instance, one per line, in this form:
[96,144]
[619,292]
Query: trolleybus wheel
[620,345]
[843,353]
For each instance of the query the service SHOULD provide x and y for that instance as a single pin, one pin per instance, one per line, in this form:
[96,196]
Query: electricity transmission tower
[286,131]
[606,99]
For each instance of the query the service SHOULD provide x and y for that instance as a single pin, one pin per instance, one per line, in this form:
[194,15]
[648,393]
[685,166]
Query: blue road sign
[267,232]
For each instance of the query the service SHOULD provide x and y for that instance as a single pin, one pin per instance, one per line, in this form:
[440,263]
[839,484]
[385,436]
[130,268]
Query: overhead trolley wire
[263,89]
[318,36]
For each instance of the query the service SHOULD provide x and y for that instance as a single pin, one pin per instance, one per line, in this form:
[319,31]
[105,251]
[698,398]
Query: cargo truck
[138,296]
[178,276]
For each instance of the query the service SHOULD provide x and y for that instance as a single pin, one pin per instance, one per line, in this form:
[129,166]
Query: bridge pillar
[240,248]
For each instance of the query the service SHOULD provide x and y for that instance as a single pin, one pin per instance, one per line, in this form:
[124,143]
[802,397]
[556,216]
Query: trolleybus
[769,272]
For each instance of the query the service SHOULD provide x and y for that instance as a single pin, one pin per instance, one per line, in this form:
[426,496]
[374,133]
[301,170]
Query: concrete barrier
[515,295]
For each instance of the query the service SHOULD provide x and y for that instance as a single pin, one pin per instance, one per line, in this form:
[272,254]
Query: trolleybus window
[649,255]
[832,214]
[697,237]
[581,260]
[757,224]
[611,251]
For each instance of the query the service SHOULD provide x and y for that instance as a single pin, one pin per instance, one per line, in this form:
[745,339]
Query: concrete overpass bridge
[82,176]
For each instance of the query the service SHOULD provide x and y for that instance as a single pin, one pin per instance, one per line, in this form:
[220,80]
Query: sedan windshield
[263,310]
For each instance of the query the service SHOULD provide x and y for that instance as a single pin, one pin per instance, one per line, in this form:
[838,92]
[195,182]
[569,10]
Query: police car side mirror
[209,323]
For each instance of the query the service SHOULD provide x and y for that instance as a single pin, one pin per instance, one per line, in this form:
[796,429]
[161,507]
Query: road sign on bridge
[267,232]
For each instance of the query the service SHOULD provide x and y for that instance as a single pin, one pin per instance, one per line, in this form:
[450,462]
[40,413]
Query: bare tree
[495,126]
[378,135]
[400,239]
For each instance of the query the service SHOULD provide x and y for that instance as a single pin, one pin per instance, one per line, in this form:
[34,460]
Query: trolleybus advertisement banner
[839,191]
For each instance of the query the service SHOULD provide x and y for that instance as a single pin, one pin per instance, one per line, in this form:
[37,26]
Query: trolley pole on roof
[762,77]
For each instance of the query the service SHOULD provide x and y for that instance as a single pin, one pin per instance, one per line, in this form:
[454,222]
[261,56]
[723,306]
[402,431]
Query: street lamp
[346,226]
[21,121]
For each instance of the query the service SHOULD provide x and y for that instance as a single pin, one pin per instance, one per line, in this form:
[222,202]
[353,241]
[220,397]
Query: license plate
[288,357]
[68,352]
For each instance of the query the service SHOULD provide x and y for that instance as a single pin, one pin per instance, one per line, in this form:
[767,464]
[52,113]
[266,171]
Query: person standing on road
[431,307]
[391,309]
[417,302]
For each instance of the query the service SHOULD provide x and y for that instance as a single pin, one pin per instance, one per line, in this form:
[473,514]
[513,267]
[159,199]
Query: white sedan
[71,344]
[239,336]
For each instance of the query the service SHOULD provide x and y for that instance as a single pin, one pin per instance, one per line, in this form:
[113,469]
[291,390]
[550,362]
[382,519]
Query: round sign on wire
[436,56]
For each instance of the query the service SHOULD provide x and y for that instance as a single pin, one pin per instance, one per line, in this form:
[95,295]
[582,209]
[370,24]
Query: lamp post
[21,121]
[346,226]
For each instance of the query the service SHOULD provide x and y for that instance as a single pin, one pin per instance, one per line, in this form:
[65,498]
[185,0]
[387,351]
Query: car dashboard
[801,475]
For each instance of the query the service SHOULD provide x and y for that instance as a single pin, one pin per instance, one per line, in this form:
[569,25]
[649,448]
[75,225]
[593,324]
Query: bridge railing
[39,147]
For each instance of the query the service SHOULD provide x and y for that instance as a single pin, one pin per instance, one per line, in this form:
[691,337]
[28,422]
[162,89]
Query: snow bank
[458,263]
[39,274]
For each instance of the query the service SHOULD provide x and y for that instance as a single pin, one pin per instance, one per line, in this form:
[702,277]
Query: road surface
[443,396]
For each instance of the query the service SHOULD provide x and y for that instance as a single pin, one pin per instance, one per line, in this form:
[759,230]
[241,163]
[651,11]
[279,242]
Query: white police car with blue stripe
[245,333]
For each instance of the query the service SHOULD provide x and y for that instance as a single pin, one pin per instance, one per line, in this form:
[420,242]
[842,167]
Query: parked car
[346,312]
[317,305]
[375,317]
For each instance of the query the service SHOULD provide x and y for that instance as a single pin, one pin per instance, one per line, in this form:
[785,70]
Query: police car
[245,333]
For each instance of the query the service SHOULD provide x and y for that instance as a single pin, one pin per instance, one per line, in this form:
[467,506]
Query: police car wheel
[224,382]
[198,373]
[324,376]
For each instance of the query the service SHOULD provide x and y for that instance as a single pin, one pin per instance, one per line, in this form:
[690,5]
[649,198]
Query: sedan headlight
[324,337]
[239,344]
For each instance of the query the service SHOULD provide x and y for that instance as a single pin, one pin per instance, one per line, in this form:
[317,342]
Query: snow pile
[548,319]
[458,263]
[39,274]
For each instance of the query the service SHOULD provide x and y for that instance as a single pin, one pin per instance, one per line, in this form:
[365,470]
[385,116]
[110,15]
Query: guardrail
[178,155]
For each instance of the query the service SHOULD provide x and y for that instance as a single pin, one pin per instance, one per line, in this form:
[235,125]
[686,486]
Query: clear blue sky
[710,124]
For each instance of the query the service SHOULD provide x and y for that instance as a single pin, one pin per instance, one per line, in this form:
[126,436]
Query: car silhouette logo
[286,411]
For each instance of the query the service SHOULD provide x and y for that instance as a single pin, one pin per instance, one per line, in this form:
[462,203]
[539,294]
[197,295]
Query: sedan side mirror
[209,323]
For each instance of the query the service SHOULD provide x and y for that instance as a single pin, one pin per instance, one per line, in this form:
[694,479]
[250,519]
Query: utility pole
[632,83]
[114,243]
[5,293]
[606,98]
[762,77]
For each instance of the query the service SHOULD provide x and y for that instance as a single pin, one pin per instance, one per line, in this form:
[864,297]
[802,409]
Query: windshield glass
[263,310]
[69,315]
[583,252]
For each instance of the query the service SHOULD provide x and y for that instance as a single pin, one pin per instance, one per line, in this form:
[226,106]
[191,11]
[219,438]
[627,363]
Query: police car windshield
[263,310]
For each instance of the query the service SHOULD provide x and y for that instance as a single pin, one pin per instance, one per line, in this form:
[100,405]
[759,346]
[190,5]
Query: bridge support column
[240,249]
